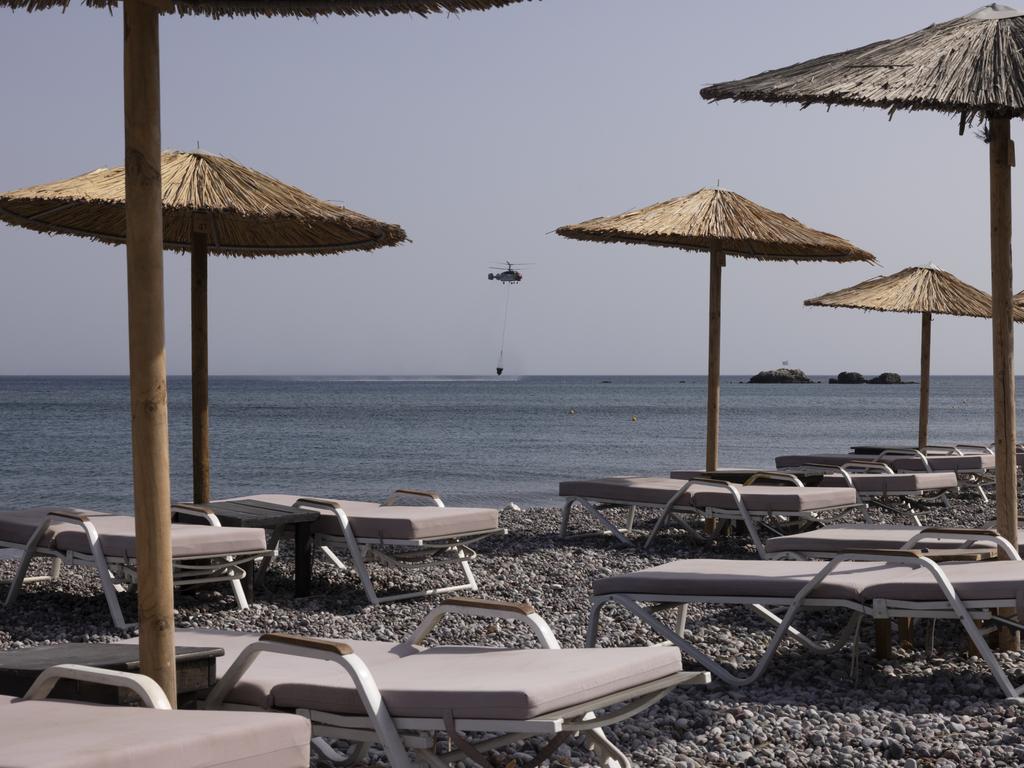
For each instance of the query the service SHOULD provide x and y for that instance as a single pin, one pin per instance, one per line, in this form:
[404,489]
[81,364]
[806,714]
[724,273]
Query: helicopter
[509,275]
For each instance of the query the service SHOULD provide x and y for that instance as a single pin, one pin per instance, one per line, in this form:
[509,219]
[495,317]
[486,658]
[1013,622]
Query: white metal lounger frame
[399,735]
[420,553]
[115,572]
[901,502]
[951,607]
[673,510]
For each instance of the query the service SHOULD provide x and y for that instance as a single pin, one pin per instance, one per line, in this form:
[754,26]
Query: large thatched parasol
[143,224]
[722,223]
[918,290]
[972,66]
[210,205]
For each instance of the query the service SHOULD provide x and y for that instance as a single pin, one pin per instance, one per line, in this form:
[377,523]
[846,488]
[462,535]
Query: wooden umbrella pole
[200,373]
[714,357]
[926,364]
[1000,160]
[147,364]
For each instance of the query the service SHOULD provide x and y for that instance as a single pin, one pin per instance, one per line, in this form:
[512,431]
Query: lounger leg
[266,562]
[608,755]
[26,558]
[238,588]
[681,619]
[325,751]
[470,578]
[566,508]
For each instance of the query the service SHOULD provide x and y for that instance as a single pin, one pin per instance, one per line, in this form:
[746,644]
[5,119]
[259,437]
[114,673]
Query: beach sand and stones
[910,710]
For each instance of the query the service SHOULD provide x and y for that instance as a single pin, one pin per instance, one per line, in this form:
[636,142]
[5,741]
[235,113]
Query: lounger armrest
[887,553]
[953,450]
[964,531]
[906,453]
[479,603]
[493,609]
[196,510]
[313,501]
[881,466]
[144,687]
[977,447]
[76,515]
[314,643]
[400,492]
[789,477]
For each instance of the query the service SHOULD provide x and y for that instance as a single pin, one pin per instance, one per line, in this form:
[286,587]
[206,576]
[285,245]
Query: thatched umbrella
[918,290]
[211,205]
[972,66]
[722,223]
[143,223]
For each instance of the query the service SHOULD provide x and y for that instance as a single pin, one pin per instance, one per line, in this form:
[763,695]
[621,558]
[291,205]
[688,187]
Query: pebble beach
[910,710]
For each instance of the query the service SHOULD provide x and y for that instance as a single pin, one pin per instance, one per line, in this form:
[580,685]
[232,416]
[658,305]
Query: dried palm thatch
[914,290]
[219,8]
[971,65]
[243,212]
[719,220]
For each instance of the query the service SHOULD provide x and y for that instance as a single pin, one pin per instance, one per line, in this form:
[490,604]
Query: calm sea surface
[65,440]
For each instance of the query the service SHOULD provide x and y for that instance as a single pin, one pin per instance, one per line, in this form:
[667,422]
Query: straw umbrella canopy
[211,205]
[916,290]
[724,224]
[973,67]
[144,228]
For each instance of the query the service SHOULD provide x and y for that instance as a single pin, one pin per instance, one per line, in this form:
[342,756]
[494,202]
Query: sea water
[478,441]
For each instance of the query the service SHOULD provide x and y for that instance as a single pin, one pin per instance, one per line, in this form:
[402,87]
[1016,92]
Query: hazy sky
[480,134]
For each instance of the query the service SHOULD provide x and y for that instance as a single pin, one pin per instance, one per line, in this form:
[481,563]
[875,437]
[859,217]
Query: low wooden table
[263,514]
[196,670]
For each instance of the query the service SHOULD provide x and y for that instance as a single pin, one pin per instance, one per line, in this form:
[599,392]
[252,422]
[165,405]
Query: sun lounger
[399,695]
[37,732]
[396,536]
[876,483]
[754,504]
[200,554]
[831,540]
[879,584]
[973,471]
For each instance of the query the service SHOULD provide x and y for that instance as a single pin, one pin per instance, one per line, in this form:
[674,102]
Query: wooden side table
[196,670]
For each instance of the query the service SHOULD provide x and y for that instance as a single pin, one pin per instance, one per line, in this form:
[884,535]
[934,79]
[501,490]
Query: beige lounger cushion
[901,482]
[732,578]
[986,580]
[18,525]
[839,538]
[373,521]
[658,491]
[488,683]
[59,734]
[776,498]
[117,538]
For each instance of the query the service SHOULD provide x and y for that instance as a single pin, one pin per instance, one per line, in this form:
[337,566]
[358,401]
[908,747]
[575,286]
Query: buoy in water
[634,418]
[499,369]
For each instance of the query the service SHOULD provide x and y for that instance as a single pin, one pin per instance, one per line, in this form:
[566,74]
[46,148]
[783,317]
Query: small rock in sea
[848,377]
[886,378]
[781,376]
